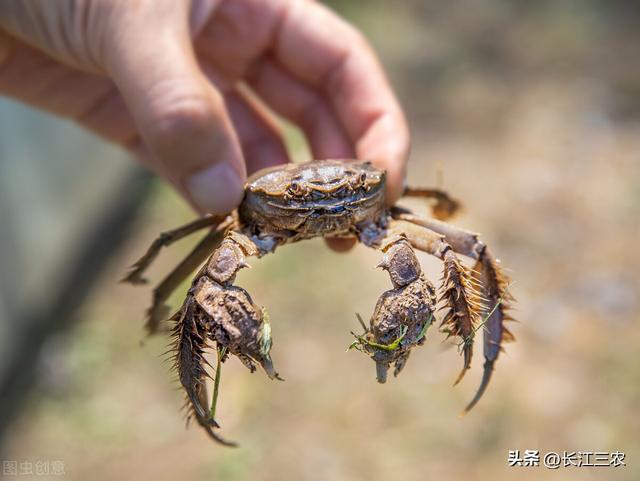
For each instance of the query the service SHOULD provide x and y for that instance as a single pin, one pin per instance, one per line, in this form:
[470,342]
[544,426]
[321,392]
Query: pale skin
[190,86]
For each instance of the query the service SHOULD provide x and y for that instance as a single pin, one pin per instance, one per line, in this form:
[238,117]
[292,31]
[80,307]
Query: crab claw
[226,315]
[267,365]
[402,315]
[382,367]
[238,324]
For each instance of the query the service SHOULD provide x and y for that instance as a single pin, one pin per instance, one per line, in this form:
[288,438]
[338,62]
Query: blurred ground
[533,111]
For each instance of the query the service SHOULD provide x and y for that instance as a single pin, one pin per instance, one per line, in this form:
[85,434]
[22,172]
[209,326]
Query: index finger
[326,52]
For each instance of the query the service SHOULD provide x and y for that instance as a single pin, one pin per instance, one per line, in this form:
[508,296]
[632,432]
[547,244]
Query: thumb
[181,117]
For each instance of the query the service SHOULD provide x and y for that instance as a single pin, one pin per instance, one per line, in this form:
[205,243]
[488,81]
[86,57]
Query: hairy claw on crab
[224,316]
[402,314]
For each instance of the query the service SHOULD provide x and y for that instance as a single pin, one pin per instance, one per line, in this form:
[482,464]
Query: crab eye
[295,188]
[363,178]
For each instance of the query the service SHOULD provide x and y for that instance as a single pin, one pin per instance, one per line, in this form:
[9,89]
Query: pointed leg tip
[460,377]
[134,280]
[469,406]
[209,424]
[151,331]
[486,377]
[220,440]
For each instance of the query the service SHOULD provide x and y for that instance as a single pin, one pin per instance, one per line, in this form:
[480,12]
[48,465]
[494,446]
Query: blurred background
[531,110]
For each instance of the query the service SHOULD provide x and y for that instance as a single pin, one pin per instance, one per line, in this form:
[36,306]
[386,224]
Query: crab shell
[314,199]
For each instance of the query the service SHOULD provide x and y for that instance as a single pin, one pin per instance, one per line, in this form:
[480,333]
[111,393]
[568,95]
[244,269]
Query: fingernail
[217,189]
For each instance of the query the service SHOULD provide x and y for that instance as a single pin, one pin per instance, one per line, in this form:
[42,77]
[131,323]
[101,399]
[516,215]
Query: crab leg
[458,291]
[444,207]
[189,345]
[165,239]
[159,310]
[216,311]
[494,287]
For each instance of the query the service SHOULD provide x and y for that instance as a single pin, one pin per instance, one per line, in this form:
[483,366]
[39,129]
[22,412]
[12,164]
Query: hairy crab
[331,198]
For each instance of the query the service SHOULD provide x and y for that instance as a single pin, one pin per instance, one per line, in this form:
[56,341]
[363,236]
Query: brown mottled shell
[315,198]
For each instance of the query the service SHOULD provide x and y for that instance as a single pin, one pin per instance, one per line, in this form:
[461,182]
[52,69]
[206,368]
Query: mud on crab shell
[331,198]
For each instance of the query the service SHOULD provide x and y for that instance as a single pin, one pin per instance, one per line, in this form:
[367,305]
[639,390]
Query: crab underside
[327,198]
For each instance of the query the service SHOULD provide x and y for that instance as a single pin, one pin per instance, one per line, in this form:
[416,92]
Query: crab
[330,198]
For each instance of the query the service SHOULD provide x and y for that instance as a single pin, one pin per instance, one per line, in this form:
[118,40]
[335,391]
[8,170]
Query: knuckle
[184,113]
[243,19]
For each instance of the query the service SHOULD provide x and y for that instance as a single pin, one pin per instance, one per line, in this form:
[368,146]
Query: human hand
[177,82]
